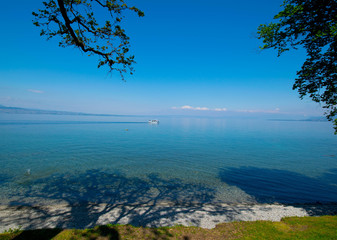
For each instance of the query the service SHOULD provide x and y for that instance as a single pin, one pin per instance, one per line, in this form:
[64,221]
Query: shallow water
[73,159]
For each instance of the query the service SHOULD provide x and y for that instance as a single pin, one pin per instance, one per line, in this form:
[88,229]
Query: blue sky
[193,57]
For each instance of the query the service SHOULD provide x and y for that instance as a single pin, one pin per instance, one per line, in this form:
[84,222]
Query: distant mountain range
[310,119]
[17,110]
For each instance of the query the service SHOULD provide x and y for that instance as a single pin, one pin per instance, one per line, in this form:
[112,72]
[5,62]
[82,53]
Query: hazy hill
[17,110]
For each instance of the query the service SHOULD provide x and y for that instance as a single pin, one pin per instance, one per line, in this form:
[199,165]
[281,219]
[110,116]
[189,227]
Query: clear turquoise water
[51,159]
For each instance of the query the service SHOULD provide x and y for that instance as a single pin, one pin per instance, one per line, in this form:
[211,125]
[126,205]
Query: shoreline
[88,215]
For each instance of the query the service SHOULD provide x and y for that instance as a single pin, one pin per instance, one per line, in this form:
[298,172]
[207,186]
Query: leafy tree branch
[74,22]
[311,24]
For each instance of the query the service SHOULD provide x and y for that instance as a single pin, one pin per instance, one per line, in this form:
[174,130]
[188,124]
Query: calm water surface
[53,159]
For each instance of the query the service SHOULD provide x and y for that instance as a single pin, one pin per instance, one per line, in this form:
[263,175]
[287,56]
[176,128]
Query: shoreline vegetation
[323,227]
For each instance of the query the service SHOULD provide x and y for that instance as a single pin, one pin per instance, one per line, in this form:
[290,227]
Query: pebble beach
[206,216]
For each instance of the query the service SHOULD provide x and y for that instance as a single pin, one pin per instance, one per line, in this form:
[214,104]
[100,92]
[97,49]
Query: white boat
[153,121]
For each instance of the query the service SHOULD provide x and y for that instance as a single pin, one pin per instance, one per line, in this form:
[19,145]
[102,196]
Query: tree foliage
[311,24]
[79,23]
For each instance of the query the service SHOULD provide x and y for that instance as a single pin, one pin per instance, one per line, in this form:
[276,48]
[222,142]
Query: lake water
[125,160]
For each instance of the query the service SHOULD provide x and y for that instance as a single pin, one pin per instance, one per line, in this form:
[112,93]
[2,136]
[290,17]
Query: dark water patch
[330,177]
[281,186]
[4,178]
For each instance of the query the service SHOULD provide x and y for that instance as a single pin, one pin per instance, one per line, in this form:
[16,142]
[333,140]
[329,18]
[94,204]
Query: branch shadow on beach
[318,196]
[94,195]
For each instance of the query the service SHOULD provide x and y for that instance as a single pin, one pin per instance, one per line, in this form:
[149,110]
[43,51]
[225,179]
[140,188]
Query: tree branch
[72,33]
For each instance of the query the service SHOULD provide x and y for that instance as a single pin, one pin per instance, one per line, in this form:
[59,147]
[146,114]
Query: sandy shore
[206,216]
